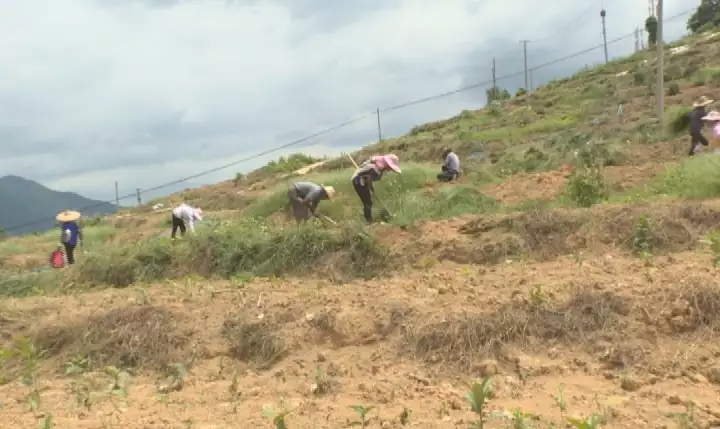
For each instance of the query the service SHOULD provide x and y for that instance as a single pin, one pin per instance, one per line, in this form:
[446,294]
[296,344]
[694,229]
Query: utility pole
[493,75]
[137,190]
[117,195]
[531,83]
[377,111]
[637,39]
[660,65]
[602,15]
[525,42]
[642,39]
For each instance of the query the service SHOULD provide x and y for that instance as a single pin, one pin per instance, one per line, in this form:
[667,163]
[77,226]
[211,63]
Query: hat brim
[329,191]
[703,103]
[68,216]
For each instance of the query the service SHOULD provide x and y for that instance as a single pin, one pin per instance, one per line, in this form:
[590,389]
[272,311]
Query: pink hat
[390,161]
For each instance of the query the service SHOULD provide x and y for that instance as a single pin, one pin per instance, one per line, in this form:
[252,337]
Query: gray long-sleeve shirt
[311,192]
[452,162]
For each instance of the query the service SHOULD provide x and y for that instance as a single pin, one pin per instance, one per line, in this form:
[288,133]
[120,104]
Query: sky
[145,92]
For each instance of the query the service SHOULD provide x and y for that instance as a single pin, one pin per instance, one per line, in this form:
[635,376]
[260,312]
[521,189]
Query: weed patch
[137,336]
[467,337]
[255,341]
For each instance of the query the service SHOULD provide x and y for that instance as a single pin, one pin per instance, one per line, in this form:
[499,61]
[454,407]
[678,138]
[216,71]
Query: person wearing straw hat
[183,217]
[371,171]
[304,198]
[70,233]
[696,123]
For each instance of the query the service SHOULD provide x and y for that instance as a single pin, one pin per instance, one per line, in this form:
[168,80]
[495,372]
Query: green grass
[237,248]
[406,196]
[696,178]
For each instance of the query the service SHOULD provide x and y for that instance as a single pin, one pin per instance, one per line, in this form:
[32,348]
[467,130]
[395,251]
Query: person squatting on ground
[696,124]
[304,198]
[368,172]
[451,167]
[70,233]
[183,215]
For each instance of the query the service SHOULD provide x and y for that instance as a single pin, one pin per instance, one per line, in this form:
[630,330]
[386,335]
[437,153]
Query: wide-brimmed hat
[390,161]
[329,191]
[702,102]
[68,216]
[198,214]
[712,116]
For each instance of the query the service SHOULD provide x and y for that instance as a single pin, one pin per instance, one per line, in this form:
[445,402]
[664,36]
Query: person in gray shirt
[451,167]
[305,197]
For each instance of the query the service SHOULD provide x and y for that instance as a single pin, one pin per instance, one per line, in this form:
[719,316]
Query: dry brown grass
[254,341]
[136,336]
[544,234]
[464,338]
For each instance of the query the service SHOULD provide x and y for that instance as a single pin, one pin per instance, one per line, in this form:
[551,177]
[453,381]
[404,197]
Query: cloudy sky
[148,91]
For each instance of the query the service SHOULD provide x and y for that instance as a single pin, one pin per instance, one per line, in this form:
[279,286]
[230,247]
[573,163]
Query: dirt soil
[548,185]
[630,339]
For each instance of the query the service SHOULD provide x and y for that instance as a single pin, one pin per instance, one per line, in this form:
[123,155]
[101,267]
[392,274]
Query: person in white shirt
[182,215]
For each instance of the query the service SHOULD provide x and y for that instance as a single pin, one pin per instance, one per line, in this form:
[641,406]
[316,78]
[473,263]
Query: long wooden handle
[353,161]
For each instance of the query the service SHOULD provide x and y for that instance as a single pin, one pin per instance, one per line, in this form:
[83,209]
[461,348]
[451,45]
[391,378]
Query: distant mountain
[31,207]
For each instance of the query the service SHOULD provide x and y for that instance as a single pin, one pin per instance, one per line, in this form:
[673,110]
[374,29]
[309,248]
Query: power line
[343,125]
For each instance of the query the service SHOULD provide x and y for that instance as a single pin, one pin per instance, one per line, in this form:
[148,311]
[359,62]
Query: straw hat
[702,102]
[329,190]
[712,116]
[68,216]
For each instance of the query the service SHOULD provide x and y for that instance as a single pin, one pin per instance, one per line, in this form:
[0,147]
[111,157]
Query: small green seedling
[120,381]
[479,394]
[278,418]
[404,416]
[45,422]
[713,242]
[591,422]
[362,412]
[560,401]
[519,419]
[76,365]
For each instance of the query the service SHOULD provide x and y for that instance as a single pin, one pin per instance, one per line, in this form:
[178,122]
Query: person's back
[70,233]
[452,162]
[306,188]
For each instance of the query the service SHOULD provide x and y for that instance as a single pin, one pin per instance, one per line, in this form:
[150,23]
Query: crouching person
[451,167]
[184,217]
[304,198]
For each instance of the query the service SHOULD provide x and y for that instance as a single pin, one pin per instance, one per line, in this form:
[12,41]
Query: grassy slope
[498,144]
[611,301]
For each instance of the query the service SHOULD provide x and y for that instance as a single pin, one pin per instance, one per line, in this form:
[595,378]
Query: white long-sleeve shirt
[187,214]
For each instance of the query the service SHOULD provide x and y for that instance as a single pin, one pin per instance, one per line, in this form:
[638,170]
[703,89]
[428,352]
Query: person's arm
[191,223]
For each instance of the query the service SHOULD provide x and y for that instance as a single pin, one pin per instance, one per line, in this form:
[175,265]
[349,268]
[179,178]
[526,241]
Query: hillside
[25,201]
[573,266]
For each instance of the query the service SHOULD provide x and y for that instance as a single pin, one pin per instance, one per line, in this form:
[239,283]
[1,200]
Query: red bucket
[57,259]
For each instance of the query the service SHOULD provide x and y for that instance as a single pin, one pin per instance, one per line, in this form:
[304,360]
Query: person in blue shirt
[70,233]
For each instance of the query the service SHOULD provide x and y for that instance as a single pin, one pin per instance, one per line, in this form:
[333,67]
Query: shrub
[586,186]
[673,89]
[677,119]
[639,78]
[697,177]
[247,247]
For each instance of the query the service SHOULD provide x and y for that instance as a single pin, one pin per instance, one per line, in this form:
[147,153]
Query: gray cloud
[166,88]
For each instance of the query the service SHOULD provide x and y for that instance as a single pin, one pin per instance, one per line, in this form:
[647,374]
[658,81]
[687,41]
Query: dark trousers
[177,223]
[695,140]
[447,175]
[365,195]
[69,253]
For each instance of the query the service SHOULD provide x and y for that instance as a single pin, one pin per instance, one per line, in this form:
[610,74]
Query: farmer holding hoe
[371,171]
[304,198]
